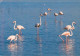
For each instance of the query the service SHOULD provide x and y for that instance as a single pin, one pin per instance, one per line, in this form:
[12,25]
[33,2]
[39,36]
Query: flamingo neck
[40,20]
[16,37]
[72,25]
[15,26]
[71,32]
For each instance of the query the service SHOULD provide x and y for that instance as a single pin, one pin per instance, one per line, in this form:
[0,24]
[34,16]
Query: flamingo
[67,33]
[49,9]
[55,14]
[68,27]
[61,13]
[18,27]
[38,24]
[41,15]
[45,14]
[12,37]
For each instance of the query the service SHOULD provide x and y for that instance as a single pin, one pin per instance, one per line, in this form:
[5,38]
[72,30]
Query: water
[47,43]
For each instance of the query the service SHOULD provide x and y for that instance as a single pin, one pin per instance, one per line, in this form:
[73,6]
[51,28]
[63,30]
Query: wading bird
[49,9]
[45,14]
[61,13]
[67,33]
[55,14]
[38,25]
[12,37]
[19,27]
[68,27]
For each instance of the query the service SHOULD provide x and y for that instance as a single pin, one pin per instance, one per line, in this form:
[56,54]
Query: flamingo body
[12,37]
[37,25]
[55,14]
[20,27]
[45,13]
[61,13]
[49,9]
[68,27]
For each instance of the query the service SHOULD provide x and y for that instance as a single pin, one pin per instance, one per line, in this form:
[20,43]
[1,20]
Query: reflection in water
[61,24]
[20,38]
[68,47]
[13,48]
[39,44]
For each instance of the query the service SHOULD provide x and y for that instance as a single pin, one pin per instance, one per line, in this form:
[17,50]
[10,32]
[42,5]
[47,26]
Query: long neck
[71,33]
[16,37]
[15,26]
[72,25]
[40,20]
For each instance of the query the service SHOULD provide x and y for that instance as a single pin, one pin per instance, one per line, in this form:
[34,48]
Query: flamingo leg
[45,20]
[66,40]
[19,32]
[61,38]
[37,34]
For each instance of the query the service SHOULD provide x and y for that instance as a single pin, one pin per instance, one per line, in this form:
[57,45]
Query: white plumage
[18,27]
[68,27]
[12,37]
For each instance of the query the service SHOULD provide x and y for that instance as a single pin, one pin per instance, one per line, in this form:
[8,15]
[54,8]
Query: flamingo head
[73,22]
[14,21]
[16,34]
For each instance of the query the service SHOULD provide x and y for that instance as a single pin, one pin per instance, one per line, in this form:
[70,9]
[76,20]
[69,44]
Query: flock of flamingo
[67,33]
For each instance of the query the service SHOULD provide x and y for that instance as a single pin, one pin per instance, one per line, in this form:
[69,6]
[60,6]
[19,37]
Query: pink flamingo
[18,27]
[68,27]
[67,33]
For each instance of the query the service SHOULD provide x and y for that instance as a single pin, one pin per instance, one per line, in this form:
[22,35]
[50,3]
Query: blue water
[47,43]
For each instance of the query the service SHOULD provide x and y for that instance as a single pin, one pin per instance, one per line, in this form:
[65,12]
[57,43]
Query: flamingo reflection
[39,44]
[13,48]
[68,47]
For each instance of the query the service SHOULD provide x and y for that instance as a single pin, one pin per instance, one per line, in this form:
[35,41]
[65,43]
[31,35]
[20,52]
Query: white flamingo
[18,27]
[45,13]
[67,33]
[38,24]
[12,37]
[61,13]
[55,14]
[68,27]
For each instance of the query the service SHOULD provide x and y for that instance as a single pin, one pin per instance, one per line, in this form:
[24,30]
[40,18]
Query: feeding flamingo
[45,14]
[68,27]
[55,14]
[61,13]
[38,25]
[12,37]
[18,27]
[49,9]
[67,33]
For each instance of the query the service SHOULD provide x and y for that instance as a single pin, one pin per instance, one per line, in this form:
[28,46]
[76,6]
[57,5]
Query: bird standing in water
[55,14]
[38,25]
[18,27]
[68,27]
[12,37]
[67,33]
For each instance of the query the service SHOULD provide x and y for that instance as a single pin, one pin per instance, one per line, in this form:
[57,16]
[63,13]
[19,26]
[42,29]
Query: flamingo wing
[20,27]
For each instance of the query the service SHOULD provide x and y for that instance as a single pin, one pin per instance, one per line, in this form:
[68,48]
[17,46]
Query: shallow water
[47,43]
